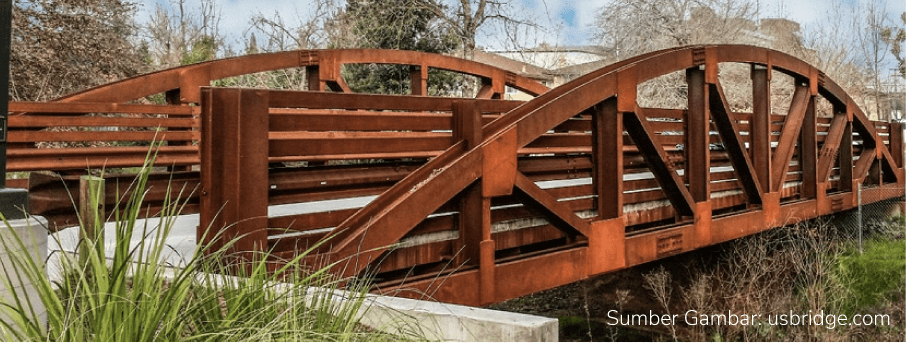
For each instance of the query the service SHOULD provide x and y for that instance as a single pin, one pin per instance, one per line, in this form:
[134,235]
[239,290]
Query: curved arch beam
[189,78]
[393,214]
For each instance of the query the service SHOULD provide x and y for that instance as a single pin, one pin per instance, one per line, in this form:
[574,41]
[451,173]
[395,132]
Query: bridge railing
[98,128]
[581,180]
[56,142]
[259,148]
[79,136]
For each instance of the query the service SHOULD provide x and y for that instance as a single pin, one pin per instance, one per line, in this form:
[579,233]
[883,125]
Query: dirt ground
[586,309]
[583,307]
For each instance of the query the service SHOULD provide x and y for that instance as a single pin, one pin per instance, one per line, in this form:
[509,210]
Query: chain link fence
[875,219]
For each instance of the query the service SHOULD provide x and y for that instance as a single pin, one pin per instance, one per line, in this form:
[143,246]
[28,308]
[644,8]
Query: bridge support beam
[845,160]
[466,124]
[607,155]
[771,208]
[418,78]
[606,246]
[761,125]
[488,266]
[896,142]
[697,136]
[808,144]
[845,155]
[476,241]
[475,205]
[697,151]
[702,223]
[234,151]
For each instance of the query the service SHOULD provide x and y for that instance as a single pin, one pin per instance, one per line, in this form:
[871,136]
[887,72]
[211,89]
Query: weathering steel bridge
[472,201]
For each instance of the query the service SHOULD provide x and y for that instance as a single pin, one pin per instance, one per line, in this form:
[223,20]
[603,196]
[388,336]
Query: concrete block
[421,319]
[32,232]
[447,322]
[13,203]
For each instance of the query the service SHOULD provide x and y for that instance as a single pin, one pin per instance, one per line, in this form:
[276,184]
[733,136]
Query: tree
[62,46]
[466,17]
[179,37]
[393,24]
[425,25]
[631,27]
[461,20]
[315,32]
[873,45]
[830,46]
[397,24]
[896,36]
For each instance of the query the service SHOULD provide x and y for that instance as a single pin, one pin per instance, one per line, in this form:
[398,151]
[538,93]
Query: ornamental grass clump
[133,295]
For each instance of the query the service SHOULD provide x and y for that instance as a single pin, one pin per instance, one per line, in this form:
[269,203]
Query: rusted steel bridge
[478,200]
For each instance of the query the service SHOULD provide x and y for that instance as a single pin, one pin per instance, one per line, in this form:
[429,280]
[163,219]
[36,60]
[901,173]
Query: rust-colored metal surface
[105,128]
[475,201]
[582,180]
[104,119]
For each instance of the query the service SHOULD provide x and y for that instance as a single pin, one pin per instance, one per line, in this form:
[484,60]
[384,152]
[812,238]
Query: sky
[566,22]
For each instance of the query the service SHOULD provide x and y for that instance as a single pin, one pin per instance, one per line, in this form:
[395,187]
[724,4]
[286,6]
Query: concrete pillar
[33,234]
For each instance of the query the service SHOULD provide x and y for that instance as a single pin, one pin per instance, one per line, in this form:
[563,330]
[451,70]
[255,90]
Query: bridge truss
[475,201]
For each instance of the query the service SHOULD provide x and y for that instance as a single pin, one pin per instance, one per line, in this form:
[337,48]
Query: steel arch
[484,166]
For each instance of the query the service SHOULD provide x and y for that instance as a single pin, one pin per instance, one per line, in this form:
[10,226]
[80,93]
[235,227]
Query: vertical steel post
[467,128]
[845,154]
[419,79]
[761,125]
[697,136]
[808,150]
[698,145]
[896,142]
[313,75]
[475,207]
[607,151]
[234,177]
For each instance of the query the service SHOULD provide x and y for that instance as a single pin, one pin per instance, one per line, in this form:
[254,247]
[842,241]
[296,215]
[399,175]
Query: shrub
[873,275]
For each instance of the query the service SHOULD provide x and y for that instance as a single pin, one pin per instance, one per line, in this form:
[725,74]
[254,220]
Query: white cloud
[236,14]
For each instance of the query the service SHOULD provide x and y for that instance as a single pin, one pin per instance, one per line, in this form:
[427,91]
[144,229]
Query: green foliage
[204,49]
[396,24]
[130,296]
[898,224]
[157,99]
[873,275]
[144,50]
[395,79]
